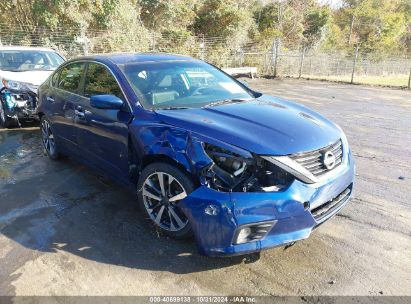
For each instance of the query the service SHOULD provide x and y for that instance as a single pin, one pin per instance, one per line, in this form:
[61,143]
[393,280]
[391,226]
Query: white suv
[22,70]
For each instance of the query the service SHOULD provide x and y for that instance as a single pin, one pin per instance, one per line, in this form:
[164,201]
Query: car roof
[24,48]
[127,58]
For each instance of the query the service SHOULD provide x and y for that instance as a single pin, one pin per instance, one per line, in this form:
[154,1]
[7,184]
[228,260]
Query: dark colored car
[206,155]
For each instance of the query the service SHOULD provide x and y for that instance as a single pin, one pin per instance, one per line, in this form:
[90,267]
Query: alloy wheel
[48,138]
[161,194]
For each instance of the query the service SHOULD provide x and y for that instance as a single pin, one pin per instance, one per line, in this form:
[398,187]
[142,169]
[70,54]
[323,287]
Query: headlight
[15,85]
[346,146]
[233,172]
[227,160]
[10,101]
[227,168]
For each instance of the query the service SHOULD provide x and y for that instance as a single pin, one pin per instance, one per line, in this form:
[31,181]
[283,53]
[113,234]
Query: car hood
[33,77]
[266,125]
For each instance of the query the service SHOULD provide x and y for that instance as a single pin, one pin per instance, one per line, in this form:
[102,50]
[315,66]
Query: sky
[333,3]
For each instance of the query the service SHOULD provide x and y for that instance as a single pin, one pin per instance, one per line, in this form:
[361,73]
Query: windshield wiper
[224,101]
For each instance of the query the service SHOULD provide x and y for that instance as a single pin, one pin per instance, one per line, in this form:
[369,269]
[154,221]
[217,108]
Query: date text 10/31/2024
[202,299]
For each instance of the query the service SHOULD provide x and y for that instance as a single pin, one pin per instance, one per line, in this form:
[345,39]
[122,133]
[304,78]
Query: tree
[226,24]
[295,22]
[224,19]
[125,30]
[314,23]
[377,26]
[160,15]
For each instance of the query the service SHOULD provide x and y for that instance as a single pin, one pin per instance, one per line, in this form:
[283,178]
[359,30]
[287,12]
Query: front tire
[48,139]
[161,187]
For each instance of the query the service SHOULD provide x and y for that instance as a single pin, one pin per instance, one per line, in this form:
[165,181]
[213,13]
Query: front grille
[313,161]
[327,208]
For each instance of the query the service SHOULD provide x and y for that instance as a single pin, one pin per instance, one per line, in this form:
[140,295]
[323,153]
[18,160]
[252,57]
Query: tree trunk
[351,29]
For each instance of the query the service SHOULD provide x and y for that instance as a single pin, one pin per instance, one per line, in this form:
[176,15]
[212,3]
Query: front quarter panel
[156,139]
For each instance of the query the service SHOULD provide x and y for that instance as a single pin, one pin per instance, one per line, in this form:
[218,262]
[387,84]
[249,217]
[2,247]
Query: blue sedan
[205,154]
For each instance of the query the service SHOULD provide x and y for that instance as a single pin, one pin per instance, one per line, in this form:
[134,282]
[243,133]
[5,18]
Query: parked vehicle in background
[205,154]
[22,70]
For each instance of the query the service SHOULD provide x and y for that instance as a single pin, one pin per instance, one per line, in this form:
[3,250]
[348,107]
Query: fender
[174,143]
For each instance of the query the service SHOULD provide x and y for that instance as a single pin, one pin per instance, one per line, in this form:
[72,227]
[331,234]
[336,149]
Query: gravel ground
[64,230]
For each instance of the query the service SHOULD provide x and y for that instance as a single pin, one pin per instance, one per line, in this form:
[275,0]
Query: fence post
[83,41]
[202,47]
[311,63]
[300,70]
[337,72]
[354,63]
[275,54]
[153,42]
[409,80]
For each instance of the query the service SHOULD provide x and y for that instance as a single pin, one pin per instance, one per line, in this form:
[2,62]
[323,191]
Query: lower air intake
[329,207]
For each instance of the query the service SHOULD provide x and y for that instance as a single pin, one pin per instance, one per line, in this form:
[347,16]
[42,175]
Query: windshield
[181,84]
[30,60]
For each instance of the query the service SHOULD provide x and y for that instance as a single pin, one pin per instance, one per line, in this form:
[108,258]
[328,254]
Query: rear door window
[70,77]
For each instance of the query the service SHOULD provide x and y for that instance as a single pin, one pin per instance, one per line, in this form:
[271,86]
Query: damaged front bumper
[19,105]
[291,214]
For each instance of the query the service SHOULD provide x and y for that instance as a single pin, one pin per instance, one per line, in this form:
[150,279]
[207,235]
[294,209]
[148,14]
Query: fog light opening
[243,235]
[253,232]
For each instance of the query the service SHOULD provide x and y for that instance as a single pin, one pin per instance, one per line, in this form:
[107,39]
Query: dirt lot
[64,230]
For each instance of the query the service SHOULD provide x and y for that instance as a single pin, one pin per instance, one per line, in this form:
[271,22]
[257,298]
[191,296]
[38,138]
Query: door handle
[79,114]
[50,99]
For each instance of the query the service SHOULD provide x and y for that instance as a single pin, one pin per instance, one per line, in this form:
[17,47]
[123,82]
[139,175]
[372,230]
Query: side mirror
[244,83]
[106,102]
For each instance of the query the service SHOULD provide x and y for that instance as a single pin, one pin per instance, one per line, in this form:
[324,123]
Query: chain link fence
[355,68]
[271,60]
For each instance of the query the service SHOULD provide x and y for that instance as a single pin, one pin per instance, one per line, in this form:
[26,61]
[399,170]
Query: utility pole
[354,62]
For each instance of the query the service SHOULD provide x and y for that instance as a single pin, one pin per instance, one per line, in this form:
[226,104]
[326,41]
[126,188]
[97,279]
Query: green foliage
[162,15]
[314,22]
[125,31]
[99,81]
[380,27]
[335,39]
[177,41]
[225,19]
[296,22]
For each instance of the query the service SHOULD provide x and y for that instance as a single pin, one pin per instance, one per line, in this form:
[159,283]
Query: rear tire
[160,188]
[5,121]
[49,143]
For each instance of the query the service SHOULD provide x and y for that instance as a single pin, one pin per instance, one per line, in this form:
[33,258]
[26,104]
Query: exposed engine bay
[232,172]
[19,104]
